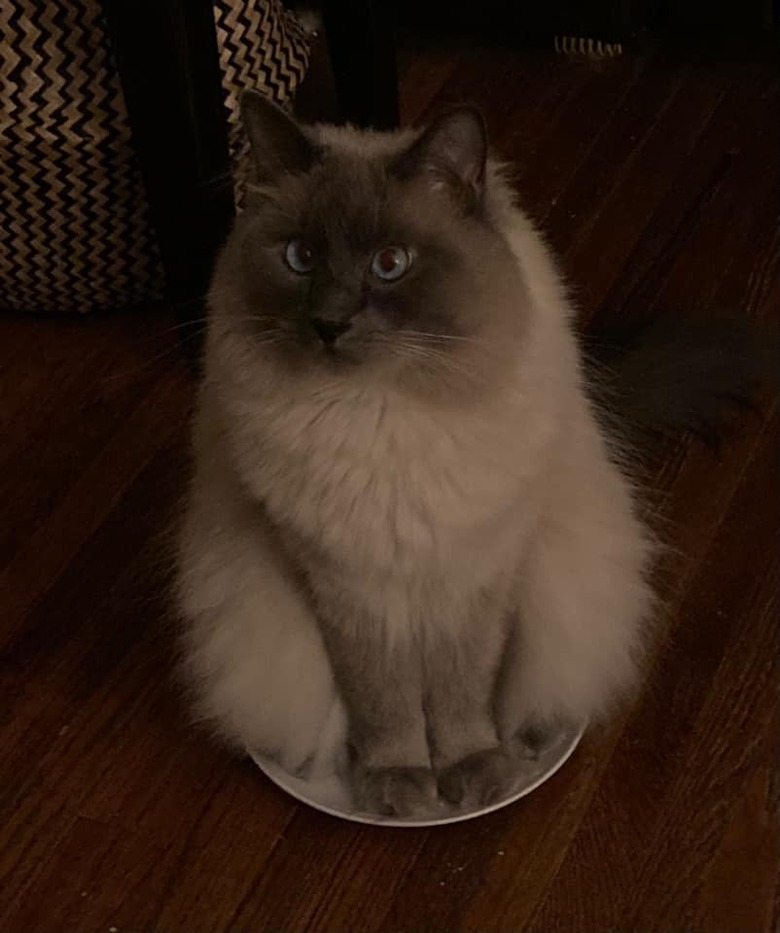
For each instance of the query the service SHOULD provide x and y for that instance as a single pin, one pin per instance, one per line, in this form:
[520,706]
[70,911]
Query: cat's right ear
[279,146]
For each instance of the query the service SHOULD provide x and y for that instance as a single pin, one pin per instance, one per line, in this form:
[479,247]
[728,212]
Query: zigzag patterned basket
[74,223]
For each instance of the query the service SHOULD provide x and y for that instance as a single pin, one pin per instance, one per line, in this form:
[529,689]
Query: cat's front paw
[478,780]
[403,792]
[531,740]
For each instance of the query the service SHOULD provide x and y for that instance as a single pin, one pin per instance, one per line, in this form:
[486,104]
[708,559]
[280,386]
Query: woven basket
[74,222]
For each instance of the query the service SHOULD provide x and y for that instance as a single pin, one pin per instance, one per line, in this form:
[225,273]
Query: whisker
[444,338]
[181,326]
[437,361]
[142,367]
[427,354]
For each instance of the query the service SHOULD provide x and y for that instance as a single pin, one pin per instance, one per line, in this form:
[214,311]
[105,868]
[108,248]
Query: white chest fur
[387,487]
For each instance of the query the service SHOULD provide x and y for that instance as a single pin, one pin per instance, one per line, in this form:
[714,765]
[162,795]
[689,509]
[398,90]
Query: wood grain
[657,180]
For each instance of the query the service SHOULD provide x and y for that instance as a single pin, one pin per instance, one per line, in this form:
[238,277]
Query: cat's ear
[279,146]
[451,155]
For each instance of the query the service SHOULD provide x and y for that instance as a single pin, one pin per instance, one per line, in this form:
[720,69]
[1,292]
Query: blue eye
[391,263]
[299,256]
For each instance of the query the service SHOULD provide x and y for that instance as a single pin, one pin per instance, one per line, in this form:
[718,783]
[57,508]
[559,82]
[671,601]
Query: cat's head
[368,252]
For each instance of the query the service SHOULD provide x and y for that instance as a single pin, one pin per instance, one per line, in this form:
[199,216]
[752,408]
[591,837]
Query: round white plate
[331,795]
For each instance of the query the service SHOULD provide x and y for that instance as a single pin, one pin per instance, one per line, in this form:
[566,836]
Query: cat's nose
[329,331]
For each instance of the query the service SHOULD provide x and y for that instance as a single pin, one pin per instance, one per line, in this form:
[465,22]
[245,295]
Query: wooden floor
[657,179]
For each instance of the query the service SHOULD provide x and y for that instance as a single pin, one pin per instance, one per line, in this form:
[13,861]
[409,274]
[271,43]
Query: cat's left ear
[451,156]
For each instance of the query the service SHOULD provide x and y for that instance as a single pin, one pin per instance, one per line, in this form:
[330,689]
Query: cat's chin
[304,353]
[341,358]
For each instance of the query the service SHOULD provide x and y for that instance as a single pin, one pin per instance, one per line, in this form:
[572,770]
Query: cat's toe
[402,792]
[532,740]
[477,781]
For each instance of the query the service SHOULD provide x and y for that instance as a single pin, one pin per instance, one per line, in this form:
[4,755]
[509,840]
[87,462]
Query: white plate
[331,795]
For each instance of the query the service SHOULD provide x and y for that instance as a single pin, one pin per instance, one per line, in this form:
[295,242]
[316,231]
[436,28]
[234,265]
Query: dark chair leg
[166,53]
[361,44]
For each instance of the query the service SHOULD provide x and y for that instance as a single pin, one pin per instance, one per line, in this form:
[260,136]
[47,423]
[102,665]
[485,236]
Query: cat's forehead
[350,197]
[354,200]
[369,144]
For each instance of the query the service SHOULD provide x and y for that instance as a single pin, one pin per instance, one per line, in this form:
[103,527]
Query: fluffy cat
[406,528]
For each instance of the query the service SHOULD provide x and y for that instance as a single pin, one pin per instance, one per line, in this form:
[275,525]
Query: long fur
[401,513]
[675,373]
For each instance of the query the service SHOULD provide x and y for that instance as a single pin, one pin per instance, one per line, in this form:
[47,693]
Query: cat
[408,531]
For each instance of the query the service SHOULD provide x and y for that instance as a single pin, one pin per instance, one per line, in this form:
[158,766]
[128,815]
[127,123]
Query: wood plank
[633,810]
[46,552]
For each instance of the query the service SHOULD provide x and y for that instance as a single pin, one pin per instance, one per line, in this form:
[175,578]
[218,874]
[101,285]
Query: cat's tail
[674,374]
